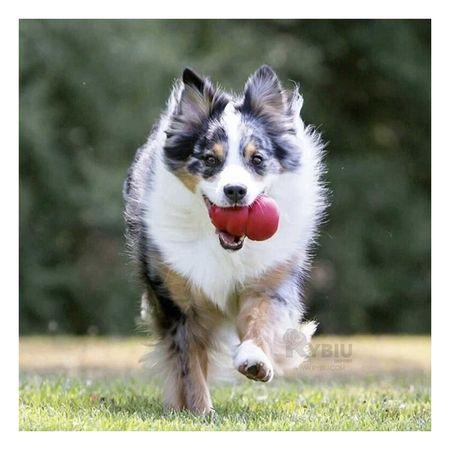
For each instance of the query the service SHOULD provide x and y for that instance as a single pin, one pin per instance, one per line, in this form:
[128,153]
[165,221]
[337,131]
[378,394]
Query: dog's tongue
[258,221]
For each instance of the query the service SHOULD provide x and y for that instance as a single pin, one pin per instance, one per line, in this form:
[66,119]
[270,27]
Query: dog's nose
[235,192]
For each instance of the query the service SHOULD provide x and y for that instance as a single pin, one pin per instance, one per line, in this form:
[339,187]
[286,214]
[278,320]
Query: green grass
[86,392]
[61,403]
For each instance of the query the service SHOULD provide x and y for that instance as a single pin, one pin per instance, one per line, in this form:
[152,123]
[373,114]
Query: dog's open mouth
[227,240]
[230,242]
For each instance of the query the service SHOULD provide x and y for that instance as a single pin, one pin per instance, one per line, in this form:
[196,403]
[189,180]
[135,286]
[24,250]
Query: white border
[196,9]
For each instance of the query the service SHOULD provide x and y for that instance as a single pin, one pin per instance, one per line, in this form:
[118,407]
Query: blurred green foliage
[90,91]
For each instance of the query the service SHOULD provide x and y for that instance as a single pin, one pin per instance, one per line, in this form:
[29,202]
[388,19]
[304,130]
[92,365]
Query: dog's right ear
[196,99]
[198,102]
[193,79]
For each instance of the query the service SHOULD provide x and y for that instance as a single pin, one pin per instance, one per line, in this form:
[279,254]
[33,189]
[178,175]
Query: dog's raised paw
[257,372]
[252,362]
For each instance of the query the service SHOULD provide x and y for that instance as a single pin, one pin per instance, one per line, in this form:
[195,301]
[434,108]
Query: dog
[210,147]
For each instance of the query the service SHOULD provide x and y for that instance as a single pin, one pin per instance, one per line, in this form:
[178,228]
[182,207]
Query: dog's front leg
[187,357]
[252,357]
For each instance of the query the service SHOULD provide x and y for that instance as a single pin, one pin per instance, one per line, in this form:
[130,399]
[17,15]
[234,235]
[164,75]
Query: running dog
[214,149]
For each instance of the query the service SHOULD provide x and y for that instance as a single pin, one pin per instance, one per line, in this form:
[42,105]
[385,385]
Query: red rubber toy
[258,221]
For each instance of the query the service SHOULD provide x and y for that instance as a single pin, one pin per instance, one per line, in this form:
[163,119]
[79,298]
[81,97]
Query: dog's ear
[263,94]
[199,99]
[265,98]
[191,78]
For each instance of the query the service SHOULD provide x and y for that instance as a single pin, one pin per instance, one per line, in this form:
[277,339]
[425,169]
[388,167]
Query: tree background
[90,91]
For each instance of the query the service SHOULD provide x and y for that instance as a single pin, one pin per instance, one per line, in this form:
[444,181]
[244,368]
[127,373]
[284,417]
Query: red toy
[258,222]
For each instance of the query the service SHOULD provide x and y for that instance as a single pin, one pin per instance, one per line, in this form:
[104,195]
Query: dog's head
[228,149]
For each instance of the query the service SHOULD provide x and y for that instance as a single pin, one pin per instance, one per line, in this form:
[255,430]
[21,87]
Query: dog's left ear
[263,93]
[265,98]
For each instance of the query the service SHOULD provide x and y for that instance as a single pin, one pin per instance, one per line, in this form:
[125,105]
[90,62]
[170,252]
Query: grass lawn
[96,384]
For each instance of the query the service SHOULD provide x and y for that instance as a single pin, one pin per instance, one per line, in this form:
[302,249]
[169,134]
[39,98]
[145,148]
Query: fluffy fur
[199,288]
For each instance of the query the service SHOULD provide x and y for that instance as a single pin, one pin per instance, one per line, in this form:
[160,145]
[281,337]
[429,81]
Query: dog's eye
[211,161]
[257,160]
